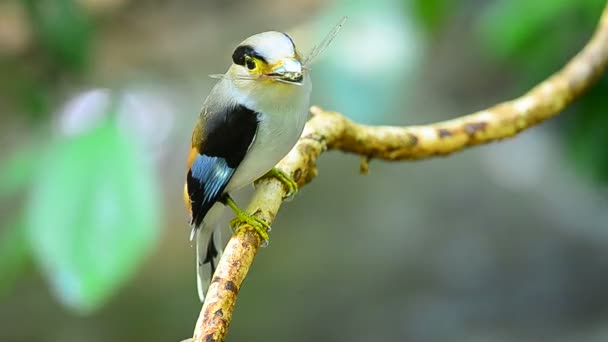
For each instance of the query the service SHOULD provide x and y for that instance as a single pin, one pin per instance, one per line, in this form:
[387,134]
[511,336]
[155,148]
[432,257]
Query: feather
[215,156]
[209,247]
[228,136]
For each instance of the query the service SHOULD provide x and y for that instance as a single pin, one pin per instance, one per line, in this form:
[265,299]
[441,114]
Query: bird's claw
[260,226]
[290,185]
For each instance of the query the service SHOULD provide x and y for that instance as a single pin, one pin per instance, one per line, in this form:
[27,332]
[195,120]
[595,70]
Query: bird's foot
[288,182]
[260,226]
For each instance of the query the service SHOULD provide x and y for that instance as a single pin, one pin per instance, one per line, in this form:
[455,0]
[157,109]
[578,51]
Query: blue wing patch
[207,179]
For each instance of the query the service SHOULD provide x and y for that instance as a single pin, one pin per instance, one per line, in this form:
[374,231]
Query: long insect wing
[218,76]
[316,51]
[239,77]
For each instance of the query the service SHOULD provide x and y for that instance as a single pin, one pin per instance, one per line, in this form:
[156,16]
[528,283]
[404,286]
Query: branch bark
[332,131]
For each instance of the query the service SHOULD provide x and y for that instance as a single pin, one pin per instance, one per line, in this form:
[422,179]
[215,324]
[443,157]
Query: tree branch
[330,130]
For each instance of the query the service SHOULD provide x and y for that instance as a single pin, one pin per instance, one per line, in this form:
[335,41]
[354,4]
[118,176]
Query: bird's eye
[250,63]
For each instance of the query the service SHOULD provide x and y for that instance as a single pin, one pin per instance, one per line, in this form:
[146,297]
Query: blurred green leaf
[587,133]
[508,26]
[14,255]
[93,216]
[64,29]
[432,13]
[540,29]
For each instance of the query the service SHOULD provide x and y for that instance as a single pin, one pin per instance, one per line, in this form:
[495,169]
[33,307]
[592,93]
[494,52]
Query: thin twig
[330,130]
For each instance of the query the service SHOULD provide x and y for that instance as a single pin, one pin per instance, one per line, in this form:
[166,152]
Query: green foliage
[92,212]
[432,13]
[93,215]
[588,134]
[63,35]
[64,30]
[538,37]
[511,27]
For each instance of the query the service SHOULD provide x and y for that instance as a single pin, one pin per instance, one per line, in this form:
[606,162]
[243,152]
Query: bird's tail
[209,247]
[208,254]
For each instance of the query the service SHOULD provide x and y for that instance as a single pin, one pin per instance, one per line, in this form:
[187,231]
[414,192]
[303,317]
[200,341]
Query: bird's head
[267,74]
[269,57]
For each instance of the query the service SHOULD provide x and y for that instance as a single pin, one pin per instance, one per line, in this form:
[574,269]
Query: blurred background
[505,242]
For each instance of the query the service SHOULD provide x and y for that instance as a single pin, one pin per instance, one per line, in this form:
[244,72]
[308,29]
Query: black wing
[227,137]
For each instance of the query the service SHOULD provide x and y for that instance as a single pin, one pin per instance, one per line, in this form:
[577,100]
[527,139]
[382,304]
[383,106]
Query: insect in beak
[288,70]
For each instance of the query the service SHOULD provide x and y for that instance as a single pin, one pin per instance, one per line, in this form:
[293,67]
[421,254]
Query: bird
[250,120]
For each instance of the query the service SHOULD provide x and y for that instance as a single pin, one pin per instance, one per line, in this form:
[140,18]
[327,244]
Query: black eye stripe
[238,56]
